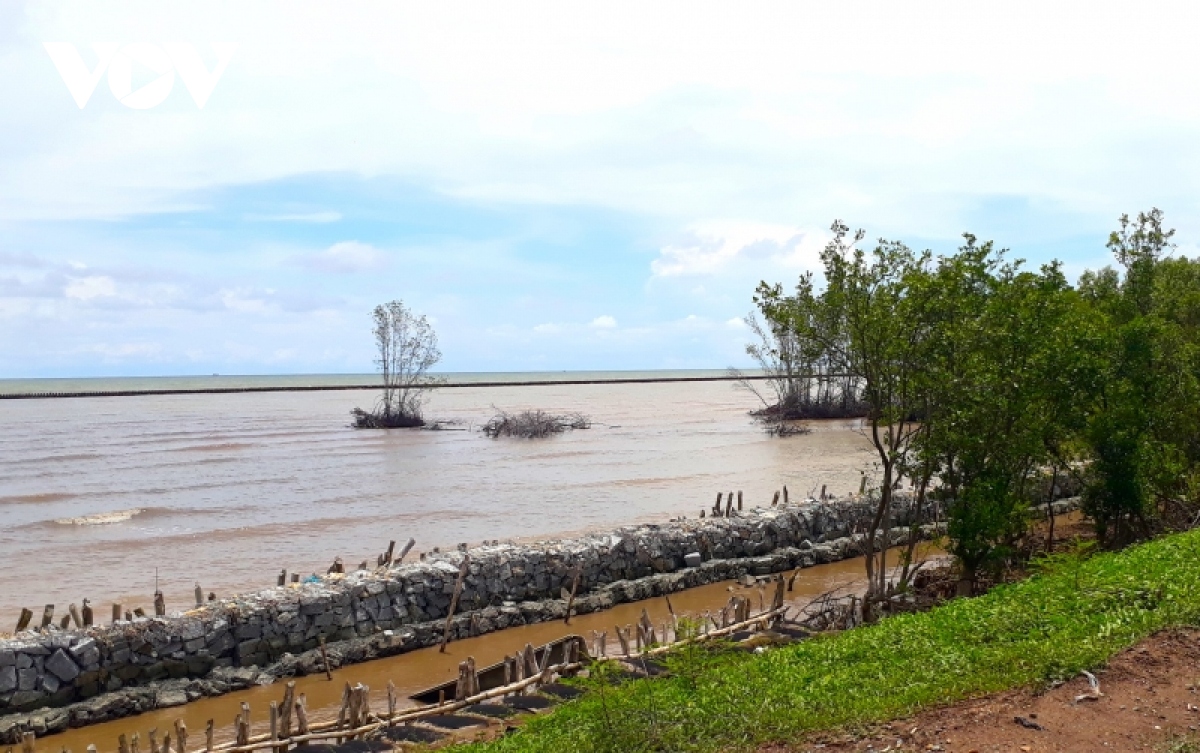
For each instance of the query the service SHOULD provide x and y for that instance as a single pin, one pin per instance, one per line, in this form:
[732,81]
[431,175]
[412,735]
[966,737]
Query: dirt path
[1151,701]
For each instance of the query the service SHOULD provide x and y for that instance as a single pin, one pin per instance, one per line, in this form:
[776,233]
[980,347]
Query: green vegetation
[1074,615]
[980,378]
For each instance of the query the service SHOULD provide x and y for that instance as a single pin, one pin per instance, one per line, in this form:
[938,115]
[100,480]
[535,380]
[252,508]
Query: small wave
[45,497]
[101,518]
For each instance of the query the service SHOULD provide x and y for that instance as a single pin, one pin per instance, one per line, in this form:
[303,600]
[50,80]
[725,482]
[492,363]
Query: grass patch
[1074,615]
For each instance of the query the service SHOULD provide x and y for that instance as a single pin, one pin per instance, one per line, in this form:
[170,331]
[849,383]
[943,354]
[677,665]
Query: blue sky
[557,187]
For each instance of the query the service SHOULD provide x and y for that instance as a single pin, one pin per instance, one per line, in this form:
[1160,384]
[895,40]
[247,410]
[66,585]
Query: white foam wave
[101,519]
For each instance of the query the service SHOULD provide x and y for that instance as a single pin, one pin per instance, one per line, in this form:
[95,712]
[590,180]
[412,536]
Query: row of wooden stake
[355,719]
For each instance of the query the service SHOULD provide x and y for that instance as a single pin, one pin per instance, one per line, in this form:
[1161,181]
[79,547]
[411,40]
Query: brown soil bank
[1150,701]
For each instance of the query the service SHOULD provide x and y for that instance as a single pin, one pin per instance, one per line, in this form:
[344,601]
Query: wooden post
[47,615]
[775,499]
[180,736]
[274,722]
[166,743]
[27,741]
[295,577]
[302,715]
[243,725]
[407,548]
[116,613]
[134,741]
[160,605]
[729,505]
[75,618]
[739,500]
[285,710]
[208,736]
[88,615]
[462,573]
[392,696]
[199,592]
[785,495]
[460,687]
[65,622]
[90,748]
[153,739]
[862,485]
[717,506]
[343,711]
[23,621]
[122,744]
[324,657]
[139,612]
[387,556]
[822,492]
[571,601]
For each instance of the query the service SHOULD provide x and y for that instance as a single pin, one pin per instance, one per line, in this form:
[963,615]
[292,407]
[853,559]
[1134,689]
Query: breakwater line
[347,387]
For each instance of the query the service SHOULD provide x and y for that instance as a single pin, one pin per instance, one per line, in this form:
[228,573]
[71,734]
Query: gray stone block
[692,559]
[86,652]
[27,679]
[8,678]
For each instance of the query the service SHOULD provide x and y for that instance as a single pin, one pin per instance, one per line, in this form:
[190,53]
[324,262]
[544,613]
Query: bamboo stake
[302,715]
[407,548]
[462,573]
[180,736]
[285,709]
[324,658]
[571,601]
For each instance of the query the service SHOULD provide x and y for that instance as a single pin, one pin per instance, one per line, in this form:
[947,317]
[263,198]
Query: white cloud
[345,258]
[548,329]
[711,248]
[604,322]
[87,288]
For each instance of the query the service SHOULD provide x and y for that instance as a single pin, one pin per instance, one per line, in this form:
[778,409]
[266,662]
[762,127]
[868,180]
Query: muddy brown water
[421,669]
[101,498]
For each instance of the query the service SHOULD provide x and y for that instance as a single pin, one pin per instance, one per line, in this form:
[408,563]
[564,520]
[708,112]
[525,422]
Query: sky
[231,187]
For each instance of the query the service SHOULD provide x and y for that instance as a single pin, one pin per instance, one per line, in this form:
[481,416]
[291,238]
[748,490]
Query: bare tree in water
[407,350]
